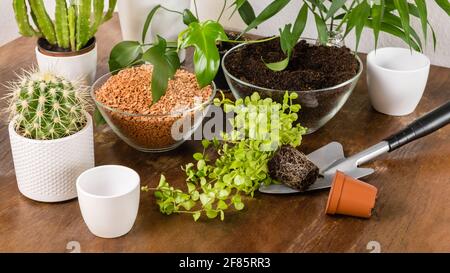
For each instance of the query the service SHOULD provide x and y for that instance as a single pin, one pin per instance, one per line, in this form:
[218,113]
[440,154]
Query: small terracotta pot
[350,196]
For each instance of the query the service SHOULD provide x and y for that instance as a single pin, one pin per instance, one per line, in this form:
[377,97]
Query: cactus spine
[45,106]
[72,27]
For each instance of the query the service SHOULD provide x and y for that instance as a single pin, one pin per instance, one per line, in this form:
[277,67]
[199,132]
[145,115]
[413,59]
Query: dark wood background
[412,212]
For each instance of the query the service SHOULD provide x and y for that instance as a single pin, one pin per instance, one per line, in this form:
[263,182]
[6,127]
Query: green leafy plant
[238,166]
[389,16]
[204,37]
[46,106]
[72,27]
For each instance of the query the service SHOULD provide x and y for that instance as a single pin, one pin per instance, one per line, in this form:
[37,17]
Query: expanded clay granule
[129,92]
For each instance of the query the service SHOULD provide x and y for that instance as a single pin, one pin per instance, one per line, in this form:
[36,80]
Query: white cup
[109,199]
[396,79]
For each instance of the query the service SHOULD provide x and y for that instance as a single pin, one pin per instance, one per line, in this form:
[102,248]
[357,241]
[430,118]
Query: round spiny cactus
[44,106]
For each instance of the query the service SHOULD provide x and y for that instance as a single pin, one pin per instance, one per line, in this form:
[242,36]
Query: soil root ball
[292,168]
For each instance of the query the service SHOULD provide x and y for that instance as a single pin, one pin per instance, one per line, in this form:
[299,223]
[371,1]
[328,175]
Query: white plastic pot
[74,66]
[47,170]
[133,13]
[396,79]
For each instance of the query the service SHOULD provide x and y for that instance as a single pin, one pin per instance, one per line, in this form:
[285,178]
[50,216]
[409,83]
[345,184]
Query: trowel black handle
[423,126]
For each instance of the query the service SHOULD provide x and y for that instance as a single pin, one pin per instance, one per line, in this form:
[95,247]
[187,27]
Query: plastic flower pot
[350,196]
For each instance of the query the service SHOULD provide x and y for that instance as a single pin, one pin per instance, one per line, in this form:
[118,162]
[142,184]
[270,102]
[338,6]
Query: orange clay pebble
[143,123]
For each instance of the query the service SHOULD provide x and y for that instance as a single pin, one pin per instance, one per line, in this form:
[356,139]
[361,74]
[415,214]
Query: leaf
[278,66]
[238,205]
[393,30]
[206,143]
[357,19]
[188,17]
[272,9]
[423,14]
[300,23]
[211,214]
[335,6]
[221,205]
[191,187]
[203,37]
[445,5]
[289,39]
[165,64]
[197,156]
[321,29]
[148,21]
[222,215]
[196,215]
[403,11]
[394,20]
[124,54]
[377,18]
[245,10]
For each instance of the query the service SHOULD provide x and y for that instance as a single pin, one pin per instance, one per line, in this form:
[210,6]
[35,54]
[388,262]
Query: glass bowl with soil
[124,99]
[322,76]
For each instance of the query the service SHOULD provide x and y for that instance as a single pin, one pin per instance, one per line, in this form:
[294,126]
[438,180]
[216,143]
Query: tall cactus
[45,106]
[72,27]
[62,24]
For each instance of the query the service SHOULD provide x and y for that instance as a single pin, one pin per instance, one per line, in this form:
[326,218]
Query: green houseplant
[51,135]
[322,74]
[71,33]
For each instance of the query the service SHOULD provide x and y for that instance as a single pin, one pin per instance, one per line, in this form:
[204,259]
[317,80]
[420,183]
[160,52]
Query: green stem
[99,6]
[196,9]
[338,28]
[21,14]
[223,9]
[83,23]
[72,26]
[110,11]
[171,10]
[61,24]
[43,21]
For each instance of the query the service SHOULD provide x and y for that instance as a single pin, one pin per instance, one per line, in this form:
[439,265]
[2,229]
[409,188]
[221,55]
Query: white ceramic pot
[74,66]
[46,170]
[396,79]
[109,199]
[133,13]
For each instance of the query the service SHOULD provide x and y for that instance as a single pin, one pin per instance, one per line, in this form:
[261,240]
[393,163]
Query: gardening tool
[330,157]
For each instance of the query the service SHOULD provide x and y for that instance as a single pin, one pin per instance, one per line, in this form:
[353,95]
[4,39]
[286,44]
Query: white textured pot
[47,170]
[396,79]
[75,66]
[133,13]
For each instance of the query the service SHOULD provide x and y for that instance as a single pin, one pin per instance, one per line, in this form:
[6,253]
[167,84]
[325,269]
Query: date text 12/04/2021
[246,262]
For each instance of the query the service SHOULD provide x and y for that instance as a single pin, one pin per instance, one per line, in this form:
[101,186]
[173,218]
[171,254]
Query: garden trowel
[330,157]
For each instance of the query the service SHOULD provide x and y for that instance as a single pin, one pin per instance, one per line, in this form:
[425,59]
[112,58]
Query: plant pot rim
[373,53]
[335,193]
[91,45]
[354,78]
[80,187]
[94,87]
[13,131]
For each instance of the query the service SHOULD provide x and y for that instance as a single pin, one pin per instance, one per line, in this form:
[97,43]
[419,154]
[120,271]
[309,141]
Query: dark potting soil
[311,67]
[292,168]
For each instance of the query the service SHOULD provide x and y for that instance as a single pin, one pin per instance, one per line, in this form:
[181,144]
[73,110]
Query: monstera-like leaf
[204,37]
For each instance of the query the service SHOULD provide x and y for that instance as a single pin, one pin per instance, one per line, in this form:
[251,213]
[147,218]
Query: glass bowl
[317,106]
[150,132]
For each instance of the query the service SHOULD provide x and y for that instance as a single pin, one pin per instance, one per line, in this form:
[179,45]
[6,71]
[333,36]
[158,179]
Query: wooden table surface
[412,212]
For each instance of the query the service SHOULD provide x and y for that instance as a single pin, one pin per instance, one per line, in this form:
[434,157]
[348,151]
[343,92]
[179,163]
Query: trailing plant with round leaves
[44,106]
[72,27]
[238,166]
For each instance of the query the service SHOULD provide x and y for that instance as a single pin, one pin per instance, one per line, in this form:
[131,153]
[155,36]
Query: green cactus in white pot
[51,135]
[46,106]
